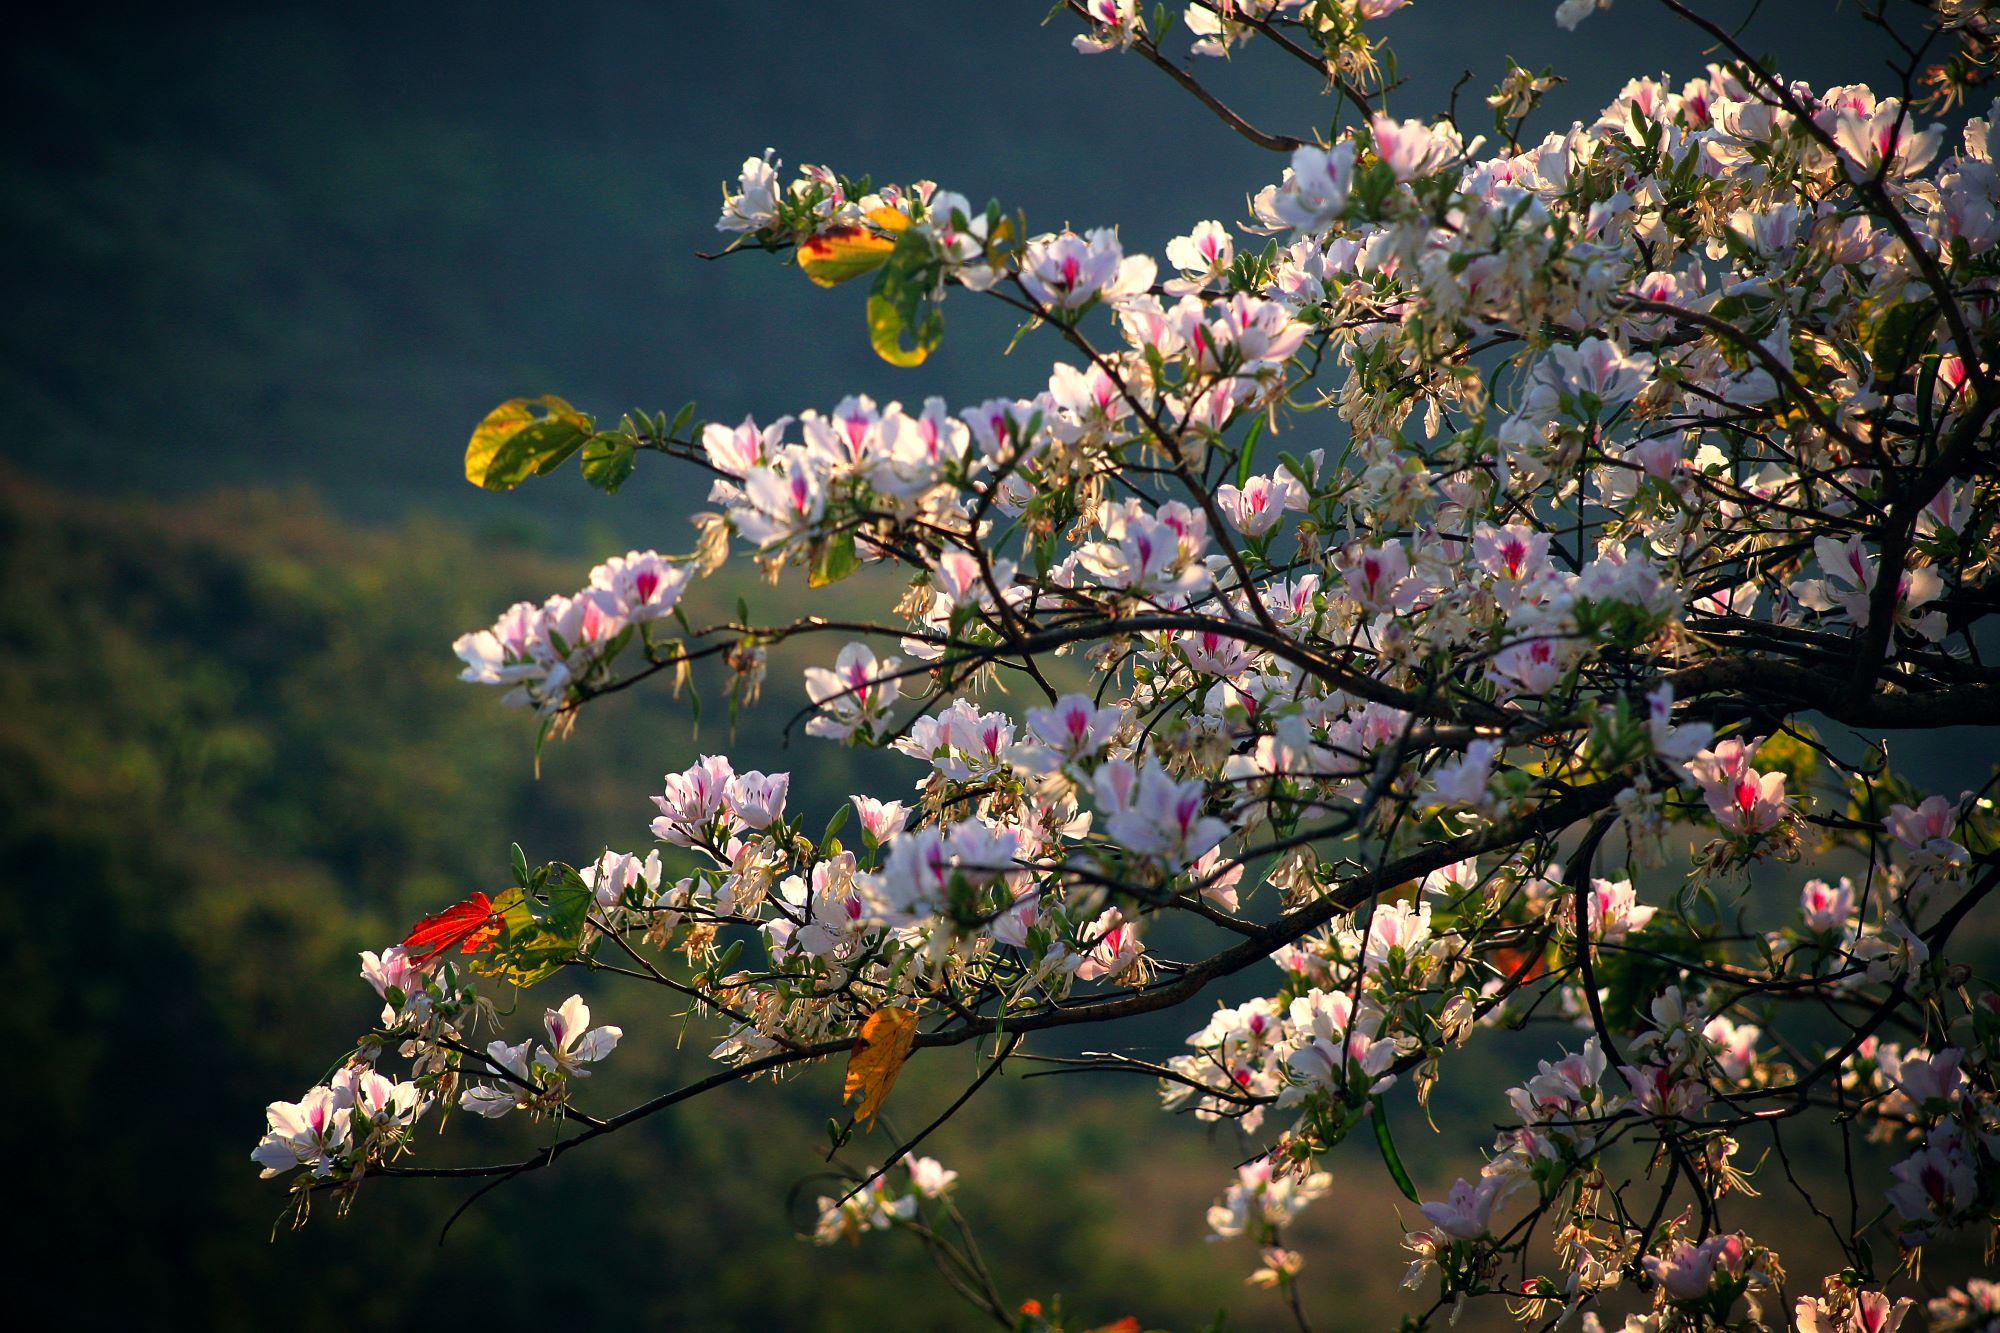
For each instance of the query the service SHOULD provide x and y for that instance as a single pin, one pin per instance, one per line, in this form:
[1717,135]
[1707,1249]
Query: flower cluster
[873,1206]
[549,652]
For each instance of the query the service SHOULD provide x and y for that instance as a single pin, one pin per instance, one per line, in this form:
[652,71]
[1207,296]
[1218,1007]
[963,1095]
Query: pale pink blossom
[881,820]
[1466,1213]
[1827,907]
[1261,502]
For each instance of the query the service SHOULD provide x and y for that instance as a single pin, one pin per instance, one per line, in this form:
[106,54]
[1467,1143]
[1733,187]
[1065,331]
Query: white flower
[1686,1272]
[1074,727]
[1614,910]
[1154,815]
[1333,1037]
[1936,1182]
[1200,255]
[1923,1077]
[692,808]
[962,234]
[1396,927]
[1113,945]
[929,1178]
[1068,272]
[1603,370]
[1849,588]
[1114,25]
[1825,907]
[1676,745]
[754,206]
[621,879]
[1453,881]
[1154,557]
[852,697]
[1735,1045]
[1572,12]
[392,970]
[882,820]
[1871,1312]
[1926,829]
[736,450]
[312,1132]
[495,1099]
[1411,148]
[573,1043]
[757,800]
[927,870]
[1467,1211]
[1464,780]
[1869,137]
[1258,505]
[782,499]
[1315,191]
[1378,576]
[639,586]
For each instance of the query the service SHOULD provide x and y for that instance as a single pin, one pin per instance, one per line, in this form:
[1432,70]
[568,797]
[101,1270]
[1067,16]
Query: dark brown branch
[1788,687]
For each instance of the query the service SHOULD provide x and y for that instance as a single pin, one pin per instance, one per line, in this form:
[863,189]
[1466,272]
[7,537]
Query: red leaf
[1519,965]
[472,925]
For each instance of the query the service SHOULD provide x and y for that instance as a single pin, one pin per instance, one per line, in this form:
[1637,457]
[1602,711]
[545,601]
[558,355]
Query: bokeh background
[266,265]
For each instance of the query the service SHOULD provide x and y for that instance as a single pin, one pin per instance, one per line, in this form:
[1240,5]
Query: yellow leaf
[500,425]
[889,219]
[833,256]
[876,1059]
[505,422]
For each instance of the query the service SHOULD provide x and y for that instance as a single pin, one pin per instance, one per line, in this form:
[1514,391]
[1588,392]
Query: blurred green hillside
[233,753]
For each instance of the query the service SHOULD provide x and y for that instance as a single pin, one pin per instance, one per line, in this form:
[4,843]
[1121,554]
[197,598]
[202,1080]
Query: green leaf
[537,938]
[835,825]
[728,959]
[1380,1115]
[1373,183]
[1898,339]
[834,561]
[889,322]
[521,437]
[570,899]
[1249,449]
[607,461]
[904,323]
[536,451]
